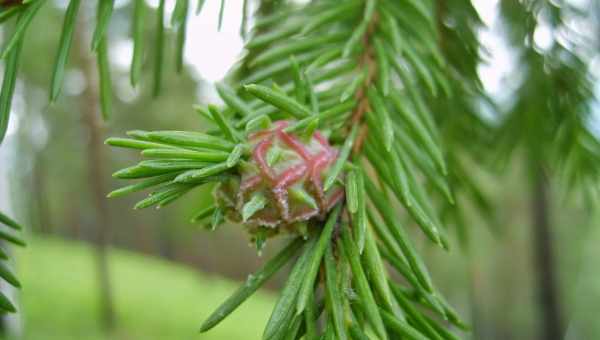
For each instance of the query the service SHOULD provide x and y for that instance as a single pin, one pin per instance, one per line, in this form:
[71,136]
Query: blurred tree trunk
[551,323]
[164,239]
[40,215]
[478,327]
[96,180]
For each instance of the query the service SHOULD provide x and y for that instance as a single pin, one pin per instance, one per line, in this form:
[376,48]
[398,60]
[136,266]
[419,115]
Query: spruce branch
[12,57]
[319,74]
[6,306]
[334,119]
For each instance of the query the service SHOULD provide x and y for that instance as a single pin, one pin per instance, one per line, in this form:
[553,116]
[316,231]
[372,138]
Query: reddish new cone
[282,183]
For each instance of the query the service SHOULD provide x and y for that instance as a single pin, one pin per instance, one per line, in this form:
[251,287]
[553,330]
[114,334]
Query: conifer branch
[330,98]
[321,45]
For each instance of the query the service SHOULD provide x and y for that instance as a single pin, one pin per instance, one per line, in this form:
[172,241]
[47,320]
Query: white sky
[212,53]
[499,61]
[208,51]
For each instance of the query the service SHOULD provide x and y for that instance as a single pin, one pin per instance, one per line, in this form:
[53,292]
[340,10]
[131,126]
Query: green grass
[154,299]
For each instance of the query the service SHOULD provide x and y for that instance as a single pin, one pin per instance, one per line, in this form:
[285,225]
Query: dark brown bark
[96,180]
[551,326]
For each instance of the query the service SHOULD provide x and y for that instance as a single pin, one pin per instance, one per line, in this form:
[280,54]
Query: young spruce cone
[281,186]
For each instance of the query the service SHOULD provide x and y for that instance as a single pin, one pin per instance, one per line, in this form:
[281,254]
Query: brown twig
[366,61]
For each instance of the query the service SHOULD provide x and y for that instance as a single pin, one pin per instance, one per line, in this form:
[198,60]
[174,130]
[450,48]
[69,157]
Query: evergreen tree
[549,121]
[345,124]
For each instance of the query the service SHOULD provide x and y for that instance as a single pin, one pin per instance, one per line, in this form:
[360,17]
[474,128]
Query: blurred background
[96,269]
